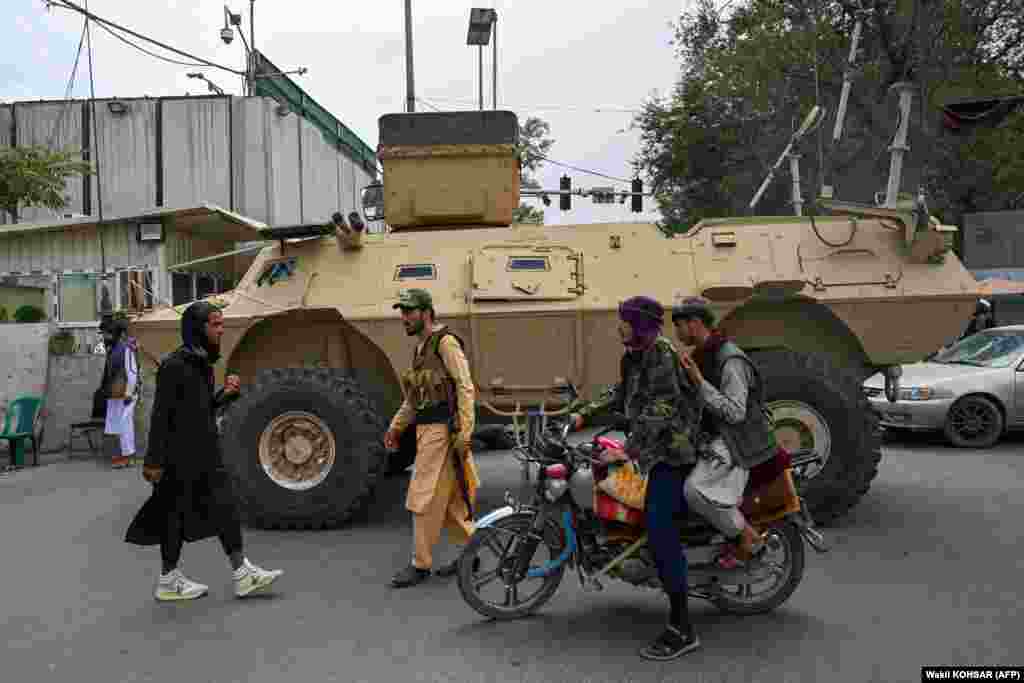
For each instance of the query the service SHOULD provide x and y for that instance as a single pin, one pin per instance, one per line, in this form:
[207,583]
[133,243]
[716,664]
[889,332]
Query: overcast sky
[557,60]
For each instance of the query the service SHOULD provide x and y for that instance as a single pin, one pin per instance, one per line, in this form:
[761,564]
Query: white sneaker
[176,586]
[250,578]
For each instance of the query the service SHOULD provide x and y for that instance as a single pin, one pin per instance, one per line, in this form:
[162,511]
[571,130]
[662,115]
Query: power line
[582,170]
[68,89]
[94,145]
[554,107]
[541,156]
[67,4]
[142,49]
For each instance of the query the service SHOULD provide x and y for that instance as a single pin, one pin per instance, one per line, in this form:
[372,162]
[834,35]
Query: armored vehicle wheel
[820,406]
[304,448]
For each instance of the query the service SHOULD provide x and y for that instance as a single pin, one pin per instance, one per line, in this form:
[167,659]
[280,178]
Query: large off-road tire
[818,405]
[304,447]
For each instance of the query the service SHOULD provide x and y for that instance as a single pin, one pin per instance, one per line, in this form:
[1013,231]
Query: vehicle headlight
[554,488]
[923,393]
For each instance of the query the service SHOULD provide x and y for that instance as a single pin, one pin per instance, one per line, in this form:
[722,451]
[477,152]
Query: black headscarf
[118,329]
[193,331]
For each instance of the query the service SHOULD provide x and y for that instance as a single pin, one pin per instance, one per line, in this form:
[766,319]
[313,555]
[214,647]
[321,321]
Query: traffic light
[638,200]
[565,200]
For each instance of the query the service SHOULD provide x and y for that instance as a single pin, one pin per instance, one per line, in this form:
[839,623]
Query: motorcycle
[580,527]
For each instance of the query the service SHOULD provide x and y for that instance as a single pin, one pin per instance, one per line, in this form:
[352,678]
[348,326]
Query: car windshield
[988,349]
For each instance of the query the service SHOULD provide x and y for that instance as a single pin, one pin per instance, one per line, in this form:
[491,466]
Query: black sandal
[671,644]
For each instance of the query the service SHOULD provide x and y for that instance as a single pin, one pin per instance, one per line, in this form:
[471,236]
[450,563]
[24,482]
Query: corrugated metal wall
[196,152]
[238,153]
[127,158]
[57,125]
[185,246]
[76,249]
[319,186]
[6,125]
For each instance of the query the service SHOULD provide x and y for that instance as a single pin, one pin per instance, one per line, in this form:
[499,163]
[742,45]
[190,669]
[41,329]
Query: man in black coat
[192,496]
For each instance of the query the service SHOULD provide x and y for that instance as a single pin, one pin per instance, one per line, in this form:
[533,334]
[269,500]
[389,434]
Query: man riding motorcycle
[736,433]
[661,407]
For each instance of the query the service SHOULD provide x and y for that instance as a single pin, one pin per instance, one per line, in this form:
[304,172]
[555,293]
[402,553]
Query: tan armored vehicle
[311,331]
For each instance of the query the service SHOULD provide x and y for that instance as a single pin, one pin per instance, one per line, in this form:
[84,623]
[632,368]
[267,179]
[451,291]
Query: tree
[746,81]
[36,176]
[534,143]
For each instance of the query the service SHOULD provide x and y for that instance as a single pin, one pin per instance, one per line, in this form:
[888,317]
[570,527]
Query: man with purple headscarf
[661,407]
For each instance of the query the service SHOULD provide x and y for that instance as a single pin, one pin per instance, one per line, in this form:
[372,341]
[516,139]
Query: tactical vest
[428,385]
[663,433]
[753,439]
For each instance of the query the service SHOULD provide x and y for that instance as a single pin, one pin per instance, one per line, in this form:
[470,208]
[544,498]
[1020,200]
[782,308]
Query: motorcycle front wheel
[784,557]
[487,568]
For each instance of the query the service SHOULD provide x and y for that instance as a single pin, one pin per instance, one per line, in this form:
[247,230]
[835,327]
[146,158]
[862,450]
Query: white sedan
[973,391]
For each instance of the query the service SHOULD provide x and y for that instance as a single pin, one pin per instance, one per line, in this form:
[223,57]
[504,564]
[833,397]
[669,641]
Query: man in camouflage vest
[439,399]
[662,410]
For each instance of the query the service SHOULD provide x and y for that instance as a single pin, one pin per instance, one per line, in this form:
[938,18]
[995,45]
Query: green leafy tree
[746,80]
[534,143]
[36,176]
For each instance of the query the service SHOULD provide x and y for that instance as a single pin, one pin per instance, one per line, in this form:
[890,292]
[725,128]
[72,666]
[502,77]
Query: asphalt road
[925,571]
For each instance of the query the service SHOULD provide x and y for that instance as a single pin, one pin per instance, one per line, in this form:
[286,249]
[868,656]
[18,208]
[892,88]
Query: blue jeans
[664,507]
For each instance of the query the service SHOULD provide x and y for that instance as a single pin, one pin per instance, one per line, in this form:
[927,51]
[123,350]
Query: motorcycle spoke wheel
[487,578]
[784,559]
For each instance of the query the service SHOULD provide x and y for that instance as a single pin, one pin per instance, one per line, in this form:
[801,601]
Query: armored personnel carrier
[311,331]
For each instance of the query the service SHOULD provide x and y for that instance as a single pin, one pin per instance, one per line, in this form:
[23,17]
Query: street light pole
[481,21]
[410,96]
[494,60]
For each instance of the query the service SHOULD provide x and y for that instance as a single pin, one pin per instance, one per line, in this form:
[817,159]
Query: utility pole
[410,96]
[252,49]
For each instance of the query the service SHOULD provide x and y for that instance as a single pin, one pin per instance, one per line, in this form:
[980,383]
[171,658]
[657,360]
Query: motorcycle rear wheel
[506,537]
[784,538]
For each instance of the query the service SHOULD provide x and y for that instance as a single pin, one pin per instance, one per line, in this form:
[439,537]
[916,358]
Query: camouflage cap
[414,298]
[692,307]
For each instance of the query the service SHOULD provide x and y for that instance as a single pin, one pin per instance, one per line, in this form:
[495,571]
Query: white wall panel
[282,144]
[196,152]
[250,157]
[319,184]
[39,123]
[5,125]
[5,141]
[127,158]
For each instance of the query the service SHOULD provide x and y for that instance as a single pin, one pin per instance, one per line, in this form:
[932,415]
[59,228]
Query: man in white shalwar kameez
[121,384]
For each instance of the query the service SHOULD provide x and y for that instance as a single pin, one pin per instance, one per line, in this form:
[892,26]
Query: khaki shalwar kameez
[434,496]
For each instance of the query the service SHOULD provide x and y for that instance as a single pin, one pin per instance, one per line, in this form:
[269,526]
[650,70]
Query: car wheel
[974,422]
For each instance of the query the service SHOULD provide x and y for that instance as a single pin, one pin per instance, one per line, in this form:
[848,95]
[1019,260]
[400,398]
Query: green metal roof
[285,90]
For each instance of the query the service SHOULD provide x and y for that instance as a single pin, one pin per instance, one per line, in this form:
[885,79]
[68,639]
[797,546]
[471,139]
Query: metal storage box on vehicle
[449,168]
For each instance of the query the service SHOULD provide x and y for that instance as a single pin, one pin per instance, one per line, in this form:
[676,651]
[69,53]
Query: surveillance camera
[227,35]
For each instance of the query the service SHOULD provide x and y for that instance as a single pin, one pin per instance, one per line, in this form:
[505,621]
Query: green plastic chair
[20,424]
